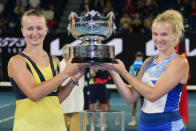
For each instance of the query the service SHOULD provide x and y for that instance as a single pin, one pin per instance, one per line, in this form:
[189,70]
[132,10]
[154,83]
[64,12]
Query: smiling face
[163,36]
[34,29]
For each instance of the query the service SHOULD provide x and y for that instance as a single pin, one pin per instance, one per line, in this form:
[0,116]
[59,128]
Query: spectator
[1,7]
[3,22]
[49,14]
[151,8]
[125,22]
[140,8]
[193,8]
[11,26]
[72,106]
[99,90]
[34,4]
[108,7]
[134,70]
[167,4]
[89,80]
[185,8]
[147,24]
[128,7]
[137,26]
[84,8]
[19,9]
[99,93]
[24,3]
[99,5]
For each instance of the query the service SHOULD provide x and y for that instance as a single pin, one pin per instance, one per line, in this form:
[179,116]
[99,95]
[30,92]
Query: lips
[34,38]
[160,44]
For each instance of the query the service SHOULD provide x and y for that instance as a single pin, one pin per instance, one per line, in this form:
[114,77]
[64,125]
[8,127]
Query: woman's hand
[78,75]
[118,67]
[73,68]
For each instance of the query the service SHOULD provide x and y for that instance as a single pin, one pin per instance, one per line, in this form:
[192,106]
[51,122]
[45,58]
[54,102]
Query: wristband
[74,83]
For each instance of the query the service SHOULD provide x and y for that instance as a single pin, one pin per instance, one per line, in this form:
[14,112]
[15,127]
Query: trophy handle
[109,24]
[73,24]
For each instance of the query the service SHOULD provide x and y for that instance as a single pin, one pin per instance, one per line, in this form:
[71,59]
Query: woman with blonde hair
[36,82]
[161,78]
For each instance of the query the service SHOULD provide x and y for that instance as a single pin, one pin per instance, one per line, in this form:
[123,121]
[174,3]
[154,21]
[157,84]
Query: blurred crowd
[12,10]
[133,16]
[136,16]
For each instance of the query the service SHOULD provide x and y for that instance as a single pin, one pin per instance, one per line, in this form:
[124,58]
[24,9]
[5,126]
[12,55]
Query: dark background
[13,44]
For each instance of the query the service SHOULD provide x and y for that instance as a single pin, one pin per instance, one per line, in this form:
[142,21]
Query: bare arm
[176,72]
[24,79]
[130,95]
[66,89]
[126,92]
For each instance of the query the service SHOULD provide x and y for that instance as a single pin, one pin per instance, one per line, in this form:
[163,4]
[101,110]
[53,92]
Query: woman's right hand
[73,68]
[118,67]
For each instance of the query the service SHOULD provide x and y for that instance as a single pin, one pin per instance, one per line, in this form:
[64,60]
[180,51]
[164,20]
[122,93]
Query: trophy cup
[92,28]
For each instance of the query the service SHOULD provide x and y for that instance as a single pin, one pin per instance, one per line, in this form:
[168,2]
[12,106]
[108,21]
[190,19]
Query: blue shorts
[98,92]
[169,126]
[167,121]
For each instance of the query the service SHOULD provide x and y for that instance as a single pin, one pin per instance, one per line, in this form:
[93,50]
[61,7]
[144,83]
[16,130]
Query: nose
[158,38]
[34,32]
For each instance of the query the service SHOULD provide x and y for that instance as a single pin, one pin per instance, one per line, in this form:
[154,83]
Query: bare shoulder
[148,60]
[179,61]
[15,63]
[179,65]
[16,58]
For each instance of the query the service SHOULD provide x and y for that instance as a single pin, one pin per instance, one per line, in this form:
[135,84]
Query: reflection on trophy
[92,29]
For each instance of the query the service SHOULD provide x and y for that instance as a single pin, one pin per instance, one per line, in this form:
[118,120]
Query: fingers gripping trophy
[92,29]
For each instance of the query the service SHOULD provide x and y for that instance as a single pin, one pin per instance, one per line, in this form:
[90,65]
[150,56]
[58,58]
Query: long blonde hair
[174,18]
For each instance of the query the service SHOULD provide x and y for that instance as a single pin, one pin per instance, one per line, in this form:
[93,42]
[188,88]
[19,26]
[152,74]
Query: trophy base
[94,61]
[93,54]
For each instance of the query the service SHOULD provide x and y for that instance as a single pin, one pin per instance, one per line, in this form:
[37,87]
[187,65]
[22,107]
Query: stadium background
[130,41]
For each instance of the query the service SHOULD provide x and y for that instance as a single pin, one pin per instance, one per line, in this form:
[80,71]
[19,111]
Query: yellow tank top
[43,115]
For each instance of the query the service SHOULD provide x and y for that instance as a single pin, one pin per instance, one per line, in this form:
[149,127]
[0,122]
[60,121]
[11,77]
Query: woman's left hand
[118,67]
[78,75]
[74,68]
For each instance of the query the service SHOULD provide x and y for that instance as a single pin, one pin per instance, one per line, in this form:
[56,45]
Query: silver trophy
[92,29]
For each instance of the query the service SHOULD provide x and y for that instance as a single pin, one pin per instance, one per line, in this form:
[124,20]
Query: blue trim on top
[152,63]
[149,63]
[28,67]
[42,79]
[154,81]
[53,70]
[17,91]
[52,65]
[173,98]
[179,87]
